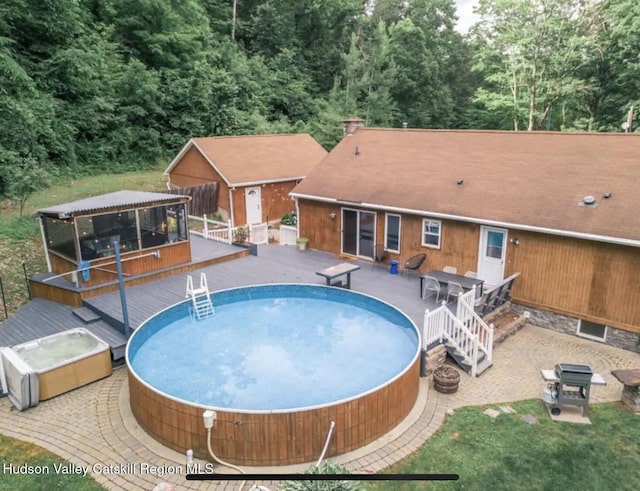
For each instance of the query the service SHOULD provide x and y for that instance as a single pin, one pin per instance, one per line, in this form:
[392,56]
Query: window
[495,239]
[592,330]
[60,236]
[431,233]
[162,225]
[97,233]
[392,233]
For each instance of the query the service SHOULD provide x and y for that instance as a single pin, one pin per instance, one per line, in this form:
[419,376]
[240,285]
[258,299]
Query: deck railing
[465,331]
[453,332]
[211,229]
[288,234]
[259,233]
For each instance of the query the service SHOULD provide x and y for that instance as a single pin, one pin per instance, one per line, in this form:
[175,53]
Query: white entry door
[253,205]
[492,254]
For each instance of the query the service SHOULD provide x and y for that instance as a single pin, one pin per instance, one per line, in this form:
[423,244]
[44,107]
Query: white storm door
[253,205]
[492,254]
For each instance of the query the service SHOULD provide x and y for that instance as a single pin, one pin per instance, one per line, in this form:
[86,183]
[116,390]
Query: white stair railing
[465,331]
[200,297]
[453,332]
[466,313]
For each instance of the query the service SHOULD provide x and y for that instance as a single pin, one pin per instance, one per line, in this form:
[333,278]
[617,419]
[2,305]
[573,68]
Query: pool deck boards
[273,264]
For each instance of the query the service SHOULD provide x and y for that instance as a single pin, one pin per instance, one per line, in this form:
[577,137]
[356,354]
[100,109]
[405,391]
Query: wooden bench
[336,272]
[496,296]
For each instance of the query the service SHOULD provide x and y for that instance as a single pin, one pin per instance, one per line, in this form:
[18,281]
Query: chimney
[351,125]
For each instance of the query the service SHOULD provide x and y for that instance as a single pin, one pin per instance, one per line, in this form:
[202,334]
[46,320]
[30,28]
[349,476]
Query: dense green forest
[93,86]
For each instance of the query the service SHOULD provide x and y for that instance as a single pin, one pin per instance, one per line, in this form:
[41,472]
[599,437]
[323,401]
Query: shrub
[327,468]
[289,219]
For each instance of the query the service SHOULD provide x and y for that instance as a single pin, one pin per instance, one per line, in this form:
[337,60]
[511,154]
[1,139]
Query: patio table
[444,278]
[333,272]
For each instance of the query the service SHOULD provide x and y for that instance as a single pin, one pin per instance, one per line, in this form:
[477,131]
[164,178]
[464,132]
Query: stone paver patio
[93,426]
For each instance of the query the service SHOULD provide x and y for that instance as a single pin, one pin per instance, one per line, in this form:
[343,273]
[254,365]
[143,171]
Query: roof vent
[589,201]
[459,181]
[357,151]
[606,195]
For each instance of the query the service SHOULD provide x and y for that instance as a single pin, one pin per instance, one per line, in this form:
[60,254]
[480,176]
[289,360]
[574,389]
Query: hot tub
[64,361]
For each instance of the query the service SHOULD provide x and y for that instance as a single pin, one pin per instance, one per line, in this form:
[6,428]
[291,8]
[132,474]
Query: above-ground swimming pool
[277,363]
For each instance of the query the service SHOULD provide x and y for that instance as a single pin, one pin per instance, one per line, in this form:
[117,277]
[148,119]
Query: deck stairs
[200,297]
[467,338]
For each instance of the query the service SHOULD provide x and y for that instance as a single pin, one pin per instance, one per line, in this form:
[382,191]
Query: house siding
[584,279]
[591,280]
[193,169]
[274,197]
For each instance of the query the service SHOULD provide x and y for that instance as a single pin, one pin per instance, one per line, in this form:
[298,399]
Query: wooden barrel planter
[446,379]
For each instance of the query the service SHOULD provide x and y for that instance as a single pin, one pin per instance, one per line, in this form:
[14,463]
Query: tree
[23,179]
[530,53]
[427,53]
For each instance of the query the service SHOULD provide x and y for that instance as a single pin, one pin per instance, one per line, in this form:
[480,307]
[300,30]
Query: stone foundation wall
[569,325]
[631,398]
[435,358]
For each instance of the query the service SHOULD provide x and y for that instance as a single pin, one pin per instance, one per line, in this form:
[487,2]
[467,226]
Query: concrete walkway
[93,426]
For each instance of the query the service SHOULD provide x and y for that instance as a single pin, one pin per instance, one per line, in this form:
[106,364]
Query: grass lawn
[19,453]
[20,240]
[506,453]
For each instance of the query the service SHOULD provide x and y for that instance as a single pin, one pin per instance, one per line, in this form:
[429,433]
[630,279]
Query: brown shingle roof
[259,158]
[532,179]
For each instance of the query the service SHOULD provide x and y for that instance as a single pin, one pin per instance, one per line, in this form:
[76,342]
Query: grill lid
[570,368]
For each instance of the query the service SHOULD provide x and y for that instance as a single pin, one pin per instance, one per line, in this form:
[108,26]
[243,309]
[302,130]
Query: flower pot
[446,379]
[302,243]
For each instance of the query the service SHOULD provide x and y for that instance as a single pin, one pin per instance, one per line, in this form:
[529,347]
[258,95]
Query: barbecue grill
[573,386]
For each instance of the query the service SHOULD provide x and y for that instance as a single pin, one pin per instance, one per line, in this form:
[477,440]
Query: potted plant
[302,242]
[446,379]
[241,239]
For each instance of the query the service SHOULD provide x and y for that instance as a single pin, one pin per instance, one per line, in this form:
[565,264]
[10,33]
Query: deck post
[123,297]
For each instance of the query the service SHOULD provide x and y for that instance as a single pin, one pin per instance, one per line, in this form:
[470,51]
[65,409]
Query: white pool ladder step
[200,297]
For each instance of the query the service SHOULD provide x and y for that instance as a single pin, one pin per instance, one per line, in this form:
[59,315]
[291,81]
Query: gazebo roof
[117,200]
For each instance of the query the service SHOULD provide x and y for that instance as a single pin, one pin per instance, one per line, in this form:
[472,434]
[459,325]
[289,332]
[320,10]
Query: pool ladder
[200,297]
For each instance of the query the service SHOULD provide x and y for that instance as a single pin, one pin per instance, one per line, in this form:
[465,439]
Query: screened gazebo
[151,229]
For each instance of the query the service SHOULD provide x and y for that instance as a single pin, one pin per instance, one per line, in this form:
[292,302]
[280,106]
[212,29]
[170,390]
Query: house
[561,208]
[255,173]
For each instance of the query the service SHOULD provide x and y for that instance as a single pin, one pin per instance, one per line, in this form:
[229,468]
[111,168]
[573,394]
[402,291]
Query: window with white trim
[431,230]
[592,330]
[392,233]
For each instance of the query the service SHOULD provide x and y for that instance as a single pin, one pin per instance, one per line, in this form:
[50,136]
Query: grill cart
[569,385]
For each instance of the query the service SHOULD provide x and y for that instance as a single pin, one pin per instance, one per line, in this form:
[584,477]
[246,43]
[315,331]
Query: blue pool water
[274,347]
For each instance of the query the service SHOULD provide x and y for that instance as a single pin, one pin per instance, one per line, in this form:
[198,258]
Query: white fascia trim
[204,155]
[211,163]
[266,181]
[491,223]
[175,161]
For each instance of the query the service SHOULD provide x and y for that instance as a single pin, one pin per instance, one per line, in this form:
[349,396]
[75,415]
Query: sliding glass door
[358,232]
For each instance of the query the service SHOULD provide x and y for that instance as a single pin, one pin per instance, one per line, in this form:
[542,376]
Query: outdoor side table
[334,272]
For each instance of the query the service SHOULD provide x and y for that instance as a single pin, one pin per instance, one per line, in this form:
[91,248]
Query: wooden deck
[42,317]
[203,253]
[273,264]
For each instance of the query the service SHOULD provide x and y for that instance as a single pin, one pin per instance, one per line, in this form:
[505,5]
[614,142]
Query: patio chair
[431,284]
[454,289]
[450,269]
[471,274]
[379,254]
[414,262]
